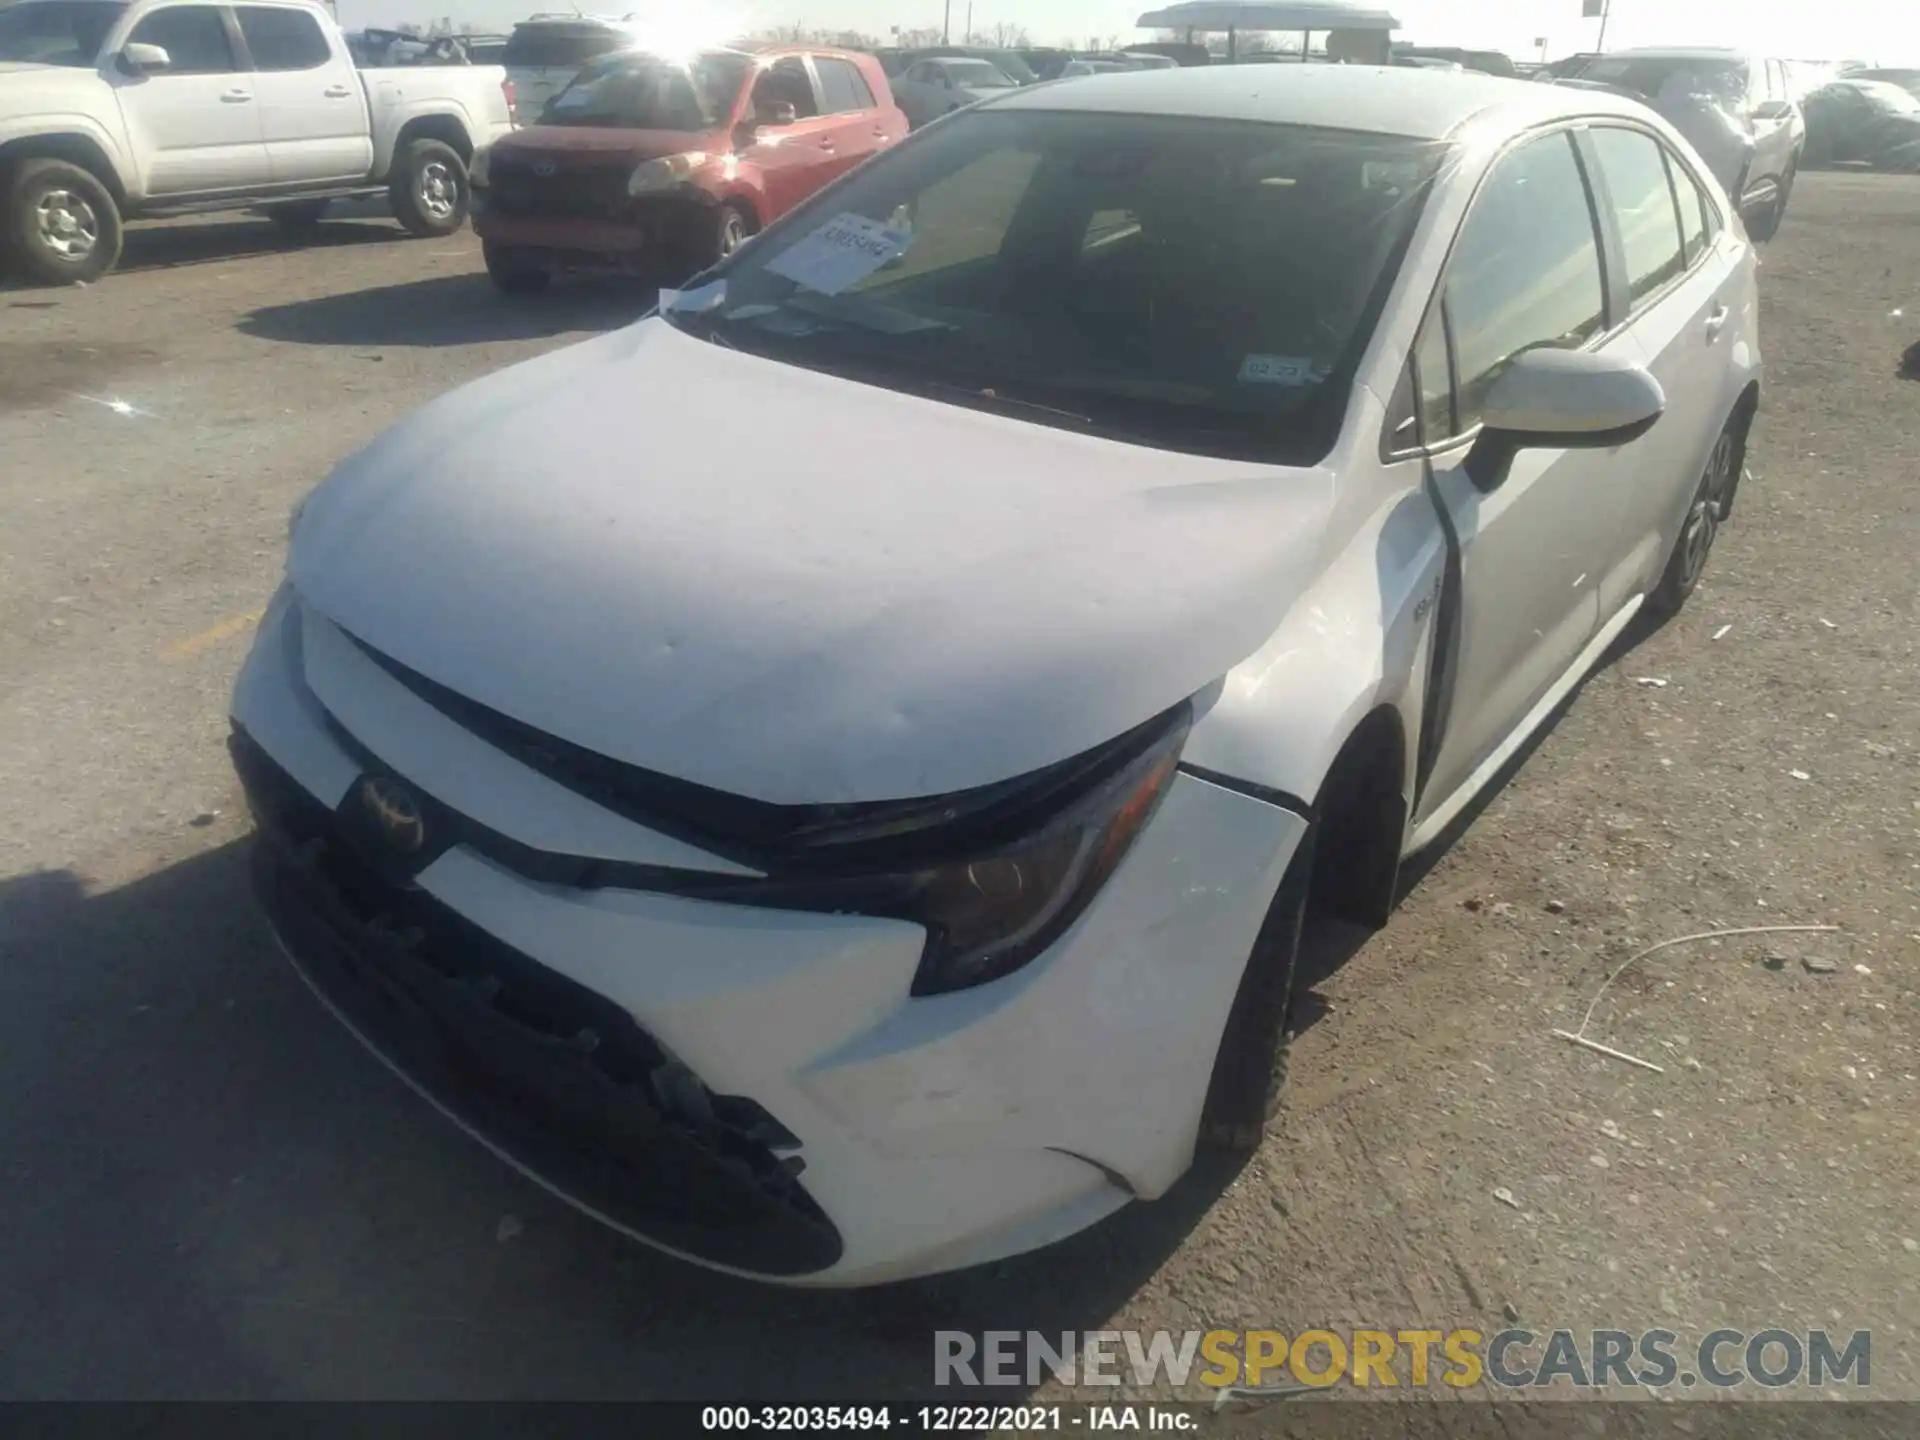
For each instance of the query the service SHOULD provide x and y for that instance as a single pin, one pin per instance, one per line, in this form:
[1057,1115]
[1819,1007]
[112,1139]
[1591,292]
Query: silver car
[837,871]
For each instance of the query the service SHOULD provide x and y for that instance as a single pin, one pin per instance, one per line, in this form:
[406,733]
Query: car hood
[792,586]
[587,143]
[23,81]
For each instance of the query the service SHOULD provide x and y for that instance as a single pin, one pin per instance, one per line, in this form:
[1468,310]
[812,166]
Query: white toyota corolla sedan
[828,778]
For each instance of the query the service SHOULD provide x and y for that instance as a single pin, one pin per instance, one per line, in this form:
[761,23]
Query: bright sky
[1883,31]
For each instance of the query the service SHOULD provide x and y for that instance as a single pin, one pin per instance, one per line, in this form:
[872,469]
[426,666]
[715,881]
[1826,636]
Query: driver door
[1534,541]
[797,158]
[194,126]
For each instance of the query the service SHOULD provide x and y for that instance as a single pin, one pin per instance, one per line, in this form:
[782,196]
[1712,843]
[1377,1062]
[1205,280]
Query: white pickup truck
[114,109]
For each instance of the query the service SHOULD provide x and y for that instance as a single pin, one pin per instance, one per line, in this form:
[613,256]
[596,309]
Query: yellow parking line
[193,644]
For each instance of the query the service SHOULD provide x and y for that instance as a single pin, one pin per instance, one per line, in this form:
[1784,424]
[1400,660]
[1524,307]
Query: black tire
[733,226]
[1250,1068]
[430,191]
[511,275]
[298,216]
[1712,504]
[62,226]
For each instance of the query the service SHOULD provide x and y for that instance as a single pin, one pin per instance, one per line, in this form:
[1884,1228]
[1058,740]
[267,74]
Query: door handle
[1716,322]
[336,92]
[827,145]
[235,97]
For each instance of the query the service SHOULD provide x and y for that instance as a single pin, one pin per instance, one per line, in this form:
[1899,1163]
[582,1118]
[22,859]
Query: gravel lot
[211,1191]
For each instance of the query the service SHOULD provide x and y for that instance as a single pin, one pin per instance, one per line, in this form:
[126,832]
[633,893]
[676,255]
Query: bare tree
[1008,36]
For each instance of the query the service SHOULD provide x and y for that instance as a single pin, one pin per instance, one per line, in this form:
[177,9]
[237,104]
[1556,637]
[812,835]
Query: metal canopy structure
[1233,16]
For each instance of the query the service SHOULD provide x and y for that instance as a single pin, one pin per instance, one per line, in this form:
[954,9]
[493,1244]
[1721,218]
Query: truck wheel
[62,227]
[298,215]
[429,190]
[512,276]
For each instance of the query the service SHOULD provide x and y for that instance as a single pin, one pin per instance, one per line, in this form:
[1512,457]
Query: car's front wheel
[1250,1067]
[1712,503]
[62,227]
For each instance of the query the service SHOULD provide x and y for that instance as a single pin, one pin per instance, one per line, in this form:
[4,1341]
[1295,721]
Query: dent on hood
[735,593]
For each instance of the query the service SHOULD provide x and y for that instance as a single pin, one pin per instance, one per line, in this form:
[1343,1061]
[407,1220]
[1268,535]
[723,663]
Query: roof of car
[1676,52]
[1422,104]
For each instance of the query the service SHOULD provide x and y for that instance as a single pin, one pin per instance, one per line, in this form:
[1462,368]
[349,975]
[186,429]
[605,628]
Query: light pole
[946,24]
[967,39]
[1606,14]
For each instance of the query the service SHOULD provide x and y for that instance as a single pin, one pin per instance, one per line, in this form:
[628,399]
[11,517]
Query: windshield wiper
[986,397]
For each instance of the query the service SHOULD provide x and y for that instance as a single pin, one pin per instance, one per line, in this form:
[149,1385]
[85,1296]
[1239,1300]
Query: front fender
[1357,639]
[18,132]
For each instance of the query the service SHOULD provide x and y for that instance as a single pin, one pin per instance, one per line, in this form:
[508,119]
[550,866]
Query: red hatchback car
[663,165]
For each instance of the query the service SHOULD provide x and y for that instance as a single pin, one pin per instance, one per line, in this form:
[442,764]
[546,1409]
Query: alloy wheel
[65,224]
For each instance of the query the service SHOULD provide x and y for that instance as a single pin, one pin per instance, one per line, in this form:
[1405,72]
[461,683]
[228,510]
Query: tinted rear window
[533,47]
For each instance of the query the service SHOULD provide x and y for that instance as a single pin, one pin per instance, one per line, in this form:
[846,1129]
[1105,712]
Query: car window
[1525,270]
[1240,273]
[282,39]
[978,75]
[1433,381]
[194,37]
[1643,205]
[1694,230]
[786,82]
[636,91]
[842,84]
[56,32]
[560,46]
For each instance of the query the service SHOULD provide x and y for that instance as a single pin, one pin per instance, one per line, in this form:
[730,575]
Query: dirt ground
[211,1192]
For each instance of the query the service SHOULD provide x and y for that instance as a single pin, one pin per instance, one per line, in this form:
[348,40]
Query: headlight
[477,171]
[1006,870]
[656,177]
[988,916]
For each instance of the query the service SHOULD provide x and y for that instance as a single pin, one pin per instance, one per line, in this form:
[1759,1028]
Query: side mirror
[139,59]
[1562,400]
[1772,110]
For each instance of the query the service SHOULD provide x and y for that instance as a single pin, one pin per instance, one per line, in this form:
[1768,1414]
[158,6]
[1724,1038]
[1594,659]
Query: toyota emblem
[543,168]
[395,812]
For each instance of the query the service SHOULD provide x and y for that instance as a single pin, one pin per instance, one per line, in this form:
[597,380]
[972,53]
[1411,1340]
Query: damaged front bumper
[754,1090]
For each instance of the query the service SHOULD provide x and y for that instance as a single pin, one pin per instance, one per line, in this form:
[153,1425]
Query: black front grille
[587,192]
[557,1077]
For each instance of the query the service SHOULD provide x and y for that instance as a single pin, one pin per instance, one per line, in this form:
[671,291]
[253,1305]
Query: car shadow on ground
[214,1192]
[240,237]
[450,310]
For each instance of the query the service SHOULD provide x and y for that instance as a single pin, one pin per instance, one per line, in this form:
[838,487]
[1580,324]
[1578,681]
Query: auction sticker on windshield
[1277,370]
[842,252]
